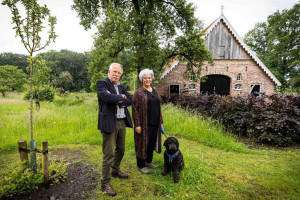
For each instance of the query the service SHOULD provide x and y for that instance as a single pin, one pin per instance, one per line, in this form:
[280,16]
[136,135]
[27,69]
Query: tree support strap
[24,150]
[35,150]
[39,151]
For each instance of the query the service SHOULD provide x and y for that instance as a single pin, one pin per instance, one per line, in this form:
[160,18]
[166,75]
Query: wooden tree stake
[45,163]
[23,154]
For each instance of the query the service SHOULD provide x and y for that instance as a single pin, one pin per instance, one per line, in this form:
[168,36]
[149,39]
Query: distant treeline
[59,62]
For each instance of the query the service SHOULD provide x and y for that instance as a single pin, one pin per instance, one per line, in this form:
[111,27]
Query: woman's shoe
[151,165]
[144,170]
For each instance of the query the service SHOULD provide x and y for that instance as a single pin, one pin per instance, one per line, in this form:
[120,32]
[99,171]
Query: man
[113,118]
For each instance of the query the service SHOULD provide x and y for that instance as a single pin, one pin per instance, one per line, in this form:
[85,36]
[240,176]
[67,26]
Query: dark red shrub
[273,120]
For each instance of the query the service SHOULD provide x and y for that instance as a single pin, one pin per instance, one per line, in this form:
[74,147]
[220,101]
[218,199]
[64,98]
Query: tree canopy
[63,82]
[142,34]
[30,27]
[11,78]
[14,59]
[277,43]
[68,61]
[58,61]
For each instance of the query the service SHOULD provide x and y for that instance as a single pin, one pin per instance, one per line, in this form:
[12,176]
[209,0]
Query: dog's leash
[163,131]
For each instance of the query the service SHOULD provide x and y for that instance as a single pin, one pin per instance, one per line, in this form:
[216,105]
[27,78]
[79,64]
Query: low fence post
[45,163]
[23,151]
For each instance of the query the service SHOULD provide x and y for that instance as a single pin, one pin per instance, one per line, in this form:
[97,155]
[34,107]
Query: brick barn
[236,71]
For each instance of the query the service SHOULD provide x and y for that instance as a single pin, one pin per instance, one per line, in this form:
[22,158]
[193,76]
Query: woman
[147,119]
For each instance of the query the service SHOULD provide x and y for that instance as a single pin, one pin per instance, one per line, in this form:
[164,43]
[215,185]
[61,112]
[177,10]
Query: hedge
[272,120]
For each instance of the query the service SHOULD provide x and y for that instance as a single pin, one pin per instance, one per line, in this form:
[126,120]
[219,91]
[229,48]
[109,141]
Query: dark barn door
[215,84]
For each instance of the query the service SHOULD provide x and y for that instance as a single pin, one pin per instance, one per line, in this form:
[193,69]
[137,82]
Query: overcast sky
[242,15]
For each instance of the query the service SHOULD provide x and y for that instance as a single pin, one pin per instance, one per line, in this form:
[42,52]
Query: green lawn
[216,166]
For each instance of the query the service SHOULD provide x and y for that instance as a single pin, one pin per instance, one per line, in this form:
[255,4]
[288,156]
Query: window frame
[239,77]
[179,92]
[238,89]
[192,89]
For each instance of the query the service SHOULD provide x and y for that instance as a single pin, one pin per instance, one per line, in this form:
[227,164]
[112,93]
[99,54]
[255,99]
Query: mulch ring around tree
[80,184]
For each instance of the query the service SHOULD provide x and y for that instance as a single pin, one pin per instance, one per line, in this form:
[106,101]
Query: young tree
[277,43]
[40,77]
[149,32]
[11,78]
[29,29]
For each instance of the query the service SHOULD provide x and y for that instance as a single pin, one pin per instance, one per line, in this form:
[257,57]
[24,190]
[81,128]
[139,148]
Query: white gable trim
[244,46]
[169,69]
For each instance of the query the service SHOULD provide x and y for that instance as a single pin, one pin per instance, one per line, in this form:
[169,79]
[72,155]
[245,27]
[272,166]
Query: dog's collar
[172,155]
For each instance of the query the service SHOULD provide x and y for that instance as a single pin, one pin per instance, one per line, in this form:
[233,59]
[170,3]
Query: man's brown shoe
[108,190]
[119,174]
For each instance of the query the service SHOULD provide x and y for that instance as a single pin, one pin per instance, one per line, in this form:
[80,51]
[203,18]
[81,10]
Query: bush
[273,119]
[46,93]
[69,101]
[22,180]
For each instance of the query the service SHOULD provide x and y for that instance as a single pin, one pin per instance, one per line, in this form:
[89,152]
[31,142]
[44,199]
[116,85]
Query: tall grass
[216,167]
[197,128]
[62,122]
[65,124]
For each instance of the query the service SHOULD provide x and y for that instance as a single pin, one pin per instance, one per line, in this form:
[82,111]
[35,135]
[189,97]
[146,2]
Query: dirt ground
[80,184]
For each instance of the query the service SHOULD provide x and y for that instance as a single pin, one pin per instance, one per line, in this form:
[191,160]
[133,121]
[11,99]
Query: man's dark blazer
[107,105]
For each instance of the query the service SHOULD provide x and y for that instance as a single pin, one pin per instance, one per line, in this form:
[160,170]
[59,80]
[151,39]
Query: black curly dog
[173,158]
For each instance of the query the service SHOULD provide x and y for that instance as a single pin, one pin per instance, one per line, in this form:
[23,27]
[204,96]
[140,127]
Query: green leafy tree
[14,59]
[63,82]
[149,33]
[257,39]
[11,78]
[75,63]
[58,61]
[29,29]
[277,43]
[295,82]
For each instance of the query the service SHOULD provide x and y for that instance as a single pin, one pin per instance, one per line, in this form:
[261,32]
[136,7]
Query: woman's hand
[138,129]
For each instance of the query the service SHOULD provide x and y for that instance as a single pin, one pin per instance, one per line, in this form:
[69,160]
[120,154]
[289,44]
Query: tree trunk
[140,62]
[138,83]
[31,99]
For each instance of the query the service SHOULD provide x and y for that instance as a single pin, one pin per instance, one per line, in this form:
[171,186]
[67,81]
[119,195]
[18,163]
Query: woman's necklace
[149,89]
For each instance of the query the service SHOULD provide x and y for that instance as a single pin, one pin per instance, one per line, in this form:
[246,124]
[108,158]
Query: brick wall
[250,72]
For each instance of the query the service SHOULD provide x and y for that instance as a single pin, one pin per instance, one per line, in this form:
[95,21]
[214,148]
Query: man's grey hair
[145,72]
[115,64]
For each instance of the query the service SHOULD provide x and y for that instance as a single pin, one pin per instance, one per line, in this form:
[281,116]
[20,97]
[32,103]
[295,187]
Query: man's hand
[124,96]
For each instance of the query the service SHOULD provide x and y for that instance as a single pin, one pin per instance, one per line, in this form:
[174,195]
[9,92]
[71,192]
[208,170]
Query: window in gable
[192,77]
[238,87]
[192,87]
[239,77]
